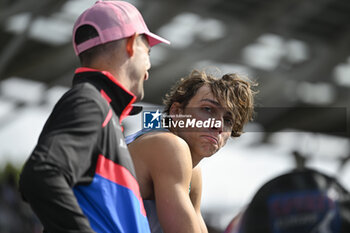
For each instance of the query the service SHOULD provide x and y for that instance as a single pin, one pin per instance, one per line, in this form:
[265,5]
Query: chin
[139,96]
[208,153]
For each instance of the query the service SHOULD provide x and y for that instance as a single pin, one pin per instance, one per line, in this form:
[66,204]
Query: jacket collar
[110,88]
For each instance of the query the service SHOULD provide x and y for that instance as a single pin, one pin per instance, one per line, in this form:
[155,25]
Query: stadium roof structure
[298,51]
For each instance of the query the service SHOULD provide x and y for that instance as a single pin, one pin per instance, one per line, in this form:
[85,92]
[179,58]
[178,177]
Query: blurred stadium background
[298,51]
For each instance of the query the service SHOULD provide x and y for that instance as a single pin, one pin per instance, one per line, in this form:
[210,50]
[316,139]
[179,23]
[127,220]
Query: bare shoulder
[162,150]
[162,137]
[160,142]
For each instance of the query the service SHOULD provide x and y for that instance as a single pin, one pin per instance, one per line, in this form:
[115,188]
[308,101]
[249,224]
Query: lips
[211,138]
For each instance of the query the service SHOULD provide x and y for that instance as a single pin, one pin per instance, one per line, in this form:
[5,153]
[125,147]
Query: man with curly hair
[166,160]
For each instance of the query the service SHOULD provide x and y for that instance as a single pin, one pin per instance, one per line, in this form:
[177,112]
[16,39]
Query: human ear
[130,45]
[175,108]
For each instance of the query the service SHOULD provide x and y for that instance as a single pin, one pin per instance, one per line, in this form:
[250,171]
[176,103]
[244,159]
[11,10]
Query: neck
[195,159]
[122,78]
[118,74]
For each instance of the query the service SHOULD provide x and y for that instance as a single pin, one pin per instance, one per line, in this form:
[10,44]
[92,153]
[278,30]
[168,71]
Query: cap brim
[154,39]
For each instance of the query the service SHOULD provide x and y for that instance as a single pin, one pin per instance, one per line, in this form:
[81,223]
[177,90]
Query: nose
[146,75]
[218,125]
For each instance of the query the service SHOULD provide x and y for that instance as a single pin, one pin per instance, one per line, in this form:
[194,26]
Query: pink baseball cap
[113,20]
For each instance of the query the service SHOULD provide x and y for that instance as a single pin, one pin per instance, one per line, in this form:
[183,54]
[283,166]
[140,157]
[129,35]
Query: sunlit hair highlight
[233,91]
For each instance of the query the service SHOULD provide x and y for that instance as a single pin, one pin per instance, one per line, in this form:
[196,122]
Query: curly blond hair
[233,92]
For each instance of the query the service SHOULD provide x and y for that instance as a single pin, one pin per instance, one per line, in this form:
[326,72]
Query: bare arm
[196,195]
[170,166]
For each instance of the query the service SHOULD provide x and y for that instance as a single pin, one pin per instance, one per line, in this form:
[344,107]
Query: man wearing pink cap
[80,176]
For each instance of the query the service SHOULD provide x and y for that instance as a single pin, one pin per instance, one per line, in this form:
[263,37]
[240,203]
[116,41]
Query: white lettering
[149,125]
[218,124]
[190,122]
[206,124]
[165,125]
[181,124]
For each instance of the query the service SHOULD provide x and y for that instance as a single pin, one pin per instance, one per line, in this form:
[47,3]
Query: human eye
[206,108]
[228,122]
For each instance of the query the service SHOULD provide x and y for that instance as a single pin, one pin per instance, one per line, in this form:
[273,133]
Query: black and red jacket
[80,176]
